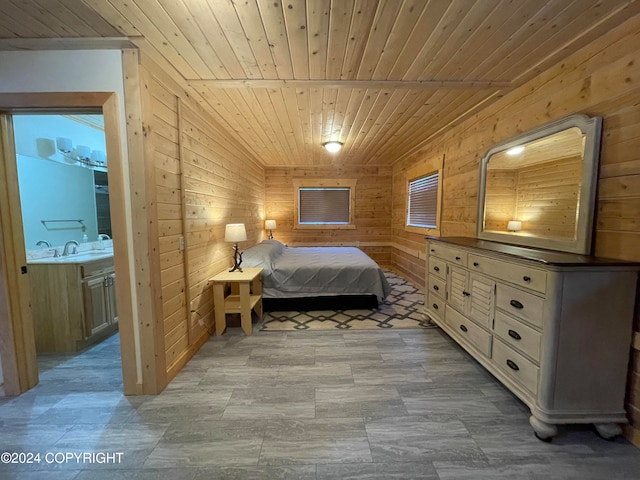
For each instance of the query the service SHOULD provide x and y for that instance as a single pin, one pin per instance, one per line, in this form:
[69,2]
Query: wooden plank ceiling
[381,76]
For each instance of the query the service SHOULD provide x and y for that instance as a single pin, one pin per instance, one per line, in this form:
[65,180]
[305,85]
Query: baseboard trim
[409,251]
[340,244]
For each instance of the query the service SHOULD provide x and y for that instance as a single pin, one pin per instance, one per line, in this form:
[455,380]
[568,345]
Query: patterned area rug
[401,309]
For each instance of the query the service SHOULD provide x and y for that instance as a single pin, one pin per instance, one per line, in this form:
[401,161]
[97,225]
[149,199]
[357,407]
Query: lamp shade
[514,225]
[83,152]
[98,156]
[270,224]
[64,144]
[235,232]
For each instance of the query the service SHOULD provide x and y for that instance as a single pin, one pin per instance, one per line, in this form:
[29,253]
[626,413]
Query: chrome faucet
[74,249]
[43,242]
[101,238]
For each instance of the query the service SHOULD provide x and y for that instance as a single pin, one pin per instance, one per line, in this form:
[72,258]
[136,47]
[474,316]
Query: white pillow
[263,254]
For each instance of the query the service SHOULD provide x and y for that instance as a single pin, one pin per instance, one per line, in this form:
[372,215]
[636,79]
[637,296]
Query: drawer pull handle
[515,335]
[476,264]
[512,365]
[437,269]
[435,306]
[466,294]
[526,278]
[457,258]
[436,288]
[463,328]
[516,304]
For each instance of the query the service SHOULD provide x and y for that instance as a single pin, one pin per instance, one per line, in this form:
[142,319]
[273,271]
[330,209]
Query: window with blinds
[329,206]
[423,202]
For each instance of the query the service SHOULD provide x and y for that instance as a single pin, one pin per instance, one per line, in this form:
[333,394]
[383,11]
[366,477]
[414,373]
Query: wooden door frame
[17,343]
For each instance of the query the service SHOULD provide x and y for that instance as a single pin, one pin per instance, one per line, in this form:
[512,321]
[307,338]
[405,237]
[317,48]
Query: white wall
[53,191]
[62,71]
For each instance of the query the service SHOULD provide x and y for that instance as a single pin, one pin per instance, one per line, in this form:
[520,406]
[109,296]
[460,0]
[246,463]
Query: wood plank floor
[404,404]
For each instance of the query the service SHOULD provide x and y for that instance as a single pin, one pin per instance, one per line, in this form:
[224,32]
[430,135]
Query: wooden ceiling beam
[363,84]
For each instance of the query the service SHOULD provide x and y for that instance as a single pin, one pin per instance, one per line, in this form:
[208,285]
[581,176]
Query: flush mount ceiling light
[515,150]
[332,147]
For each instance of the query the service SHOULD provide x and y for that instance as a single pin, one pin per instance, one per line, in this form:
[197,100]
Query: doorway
[64,200]
[17,339]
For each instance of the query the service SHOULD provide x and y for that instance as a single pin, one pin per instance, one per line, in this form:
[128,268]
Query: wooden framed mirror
[538,189]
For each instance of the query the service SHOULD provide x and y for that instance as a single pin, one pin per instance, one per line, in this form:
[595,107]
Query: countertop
[81,257]
[548,257]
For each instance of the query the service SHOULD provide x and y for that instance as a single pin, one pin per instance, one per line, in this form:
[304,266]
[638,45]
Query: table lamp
[514,225]
[271,226]
[234,233]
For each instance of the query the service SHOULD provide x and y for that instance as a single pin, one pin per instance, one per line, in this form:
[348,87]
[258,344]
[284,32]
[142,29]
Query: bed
[305,278]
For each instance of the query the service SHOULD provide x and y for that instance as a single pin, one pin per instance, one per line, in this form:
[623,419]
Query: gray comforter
[315,271]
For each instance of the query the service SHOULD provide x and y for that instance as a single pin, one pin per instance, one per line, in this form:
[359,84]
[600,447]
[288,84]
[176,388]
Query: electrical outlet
[358,243]
[181,243]
[201,322]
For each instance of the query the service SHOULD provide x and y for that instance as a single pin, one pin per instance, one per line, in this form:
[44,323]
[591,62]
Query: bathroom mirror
[62,197]
[538,189]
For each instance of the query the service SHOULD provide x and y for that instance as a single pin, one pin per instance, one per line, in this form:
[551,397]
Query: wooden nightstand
[246,295]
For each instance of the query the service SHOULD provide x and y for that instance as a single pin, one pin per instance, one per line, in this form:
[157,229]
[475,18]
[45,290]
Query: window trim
[430,167]
[323,183]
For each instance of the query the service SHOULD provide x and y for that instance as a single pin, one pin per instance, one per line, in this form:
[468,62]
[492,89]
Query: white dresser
[555,328]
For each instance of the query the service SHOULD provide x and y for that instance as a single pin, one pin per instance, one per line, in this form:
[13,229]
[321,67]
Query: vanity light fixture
[333,146]
[271,226]
[64,145]
[515,150]
[81,153]
[234,233]
[514,225]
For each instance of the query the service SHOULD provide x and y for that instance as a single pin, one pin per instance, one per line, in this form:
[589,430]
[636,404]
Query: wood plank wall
[500,199]
[543,197]
[546,197]
[203,181]
[372,214]
[601,79]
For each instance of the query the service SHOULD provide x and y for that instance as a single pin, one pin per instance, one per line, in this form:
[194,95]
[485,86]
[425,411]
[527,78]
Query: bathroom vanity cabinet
[73,303]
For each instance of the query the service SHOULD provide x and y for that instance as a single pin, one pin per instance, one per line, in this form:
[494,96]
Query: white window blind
[324,205]
[423,201]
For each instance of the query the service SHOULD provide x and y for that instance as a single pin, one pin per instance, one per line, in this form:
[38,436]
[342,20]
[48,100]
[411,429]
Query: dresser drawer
[437,286]
[517,335]
[435,305]
[524,276]
[453,255]
[469,331]
[522,305]
[515,366]
[437,267]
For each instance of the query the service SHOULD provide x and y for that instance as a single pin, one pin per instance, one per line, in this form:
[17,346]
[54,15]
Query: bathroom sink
[76,258]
